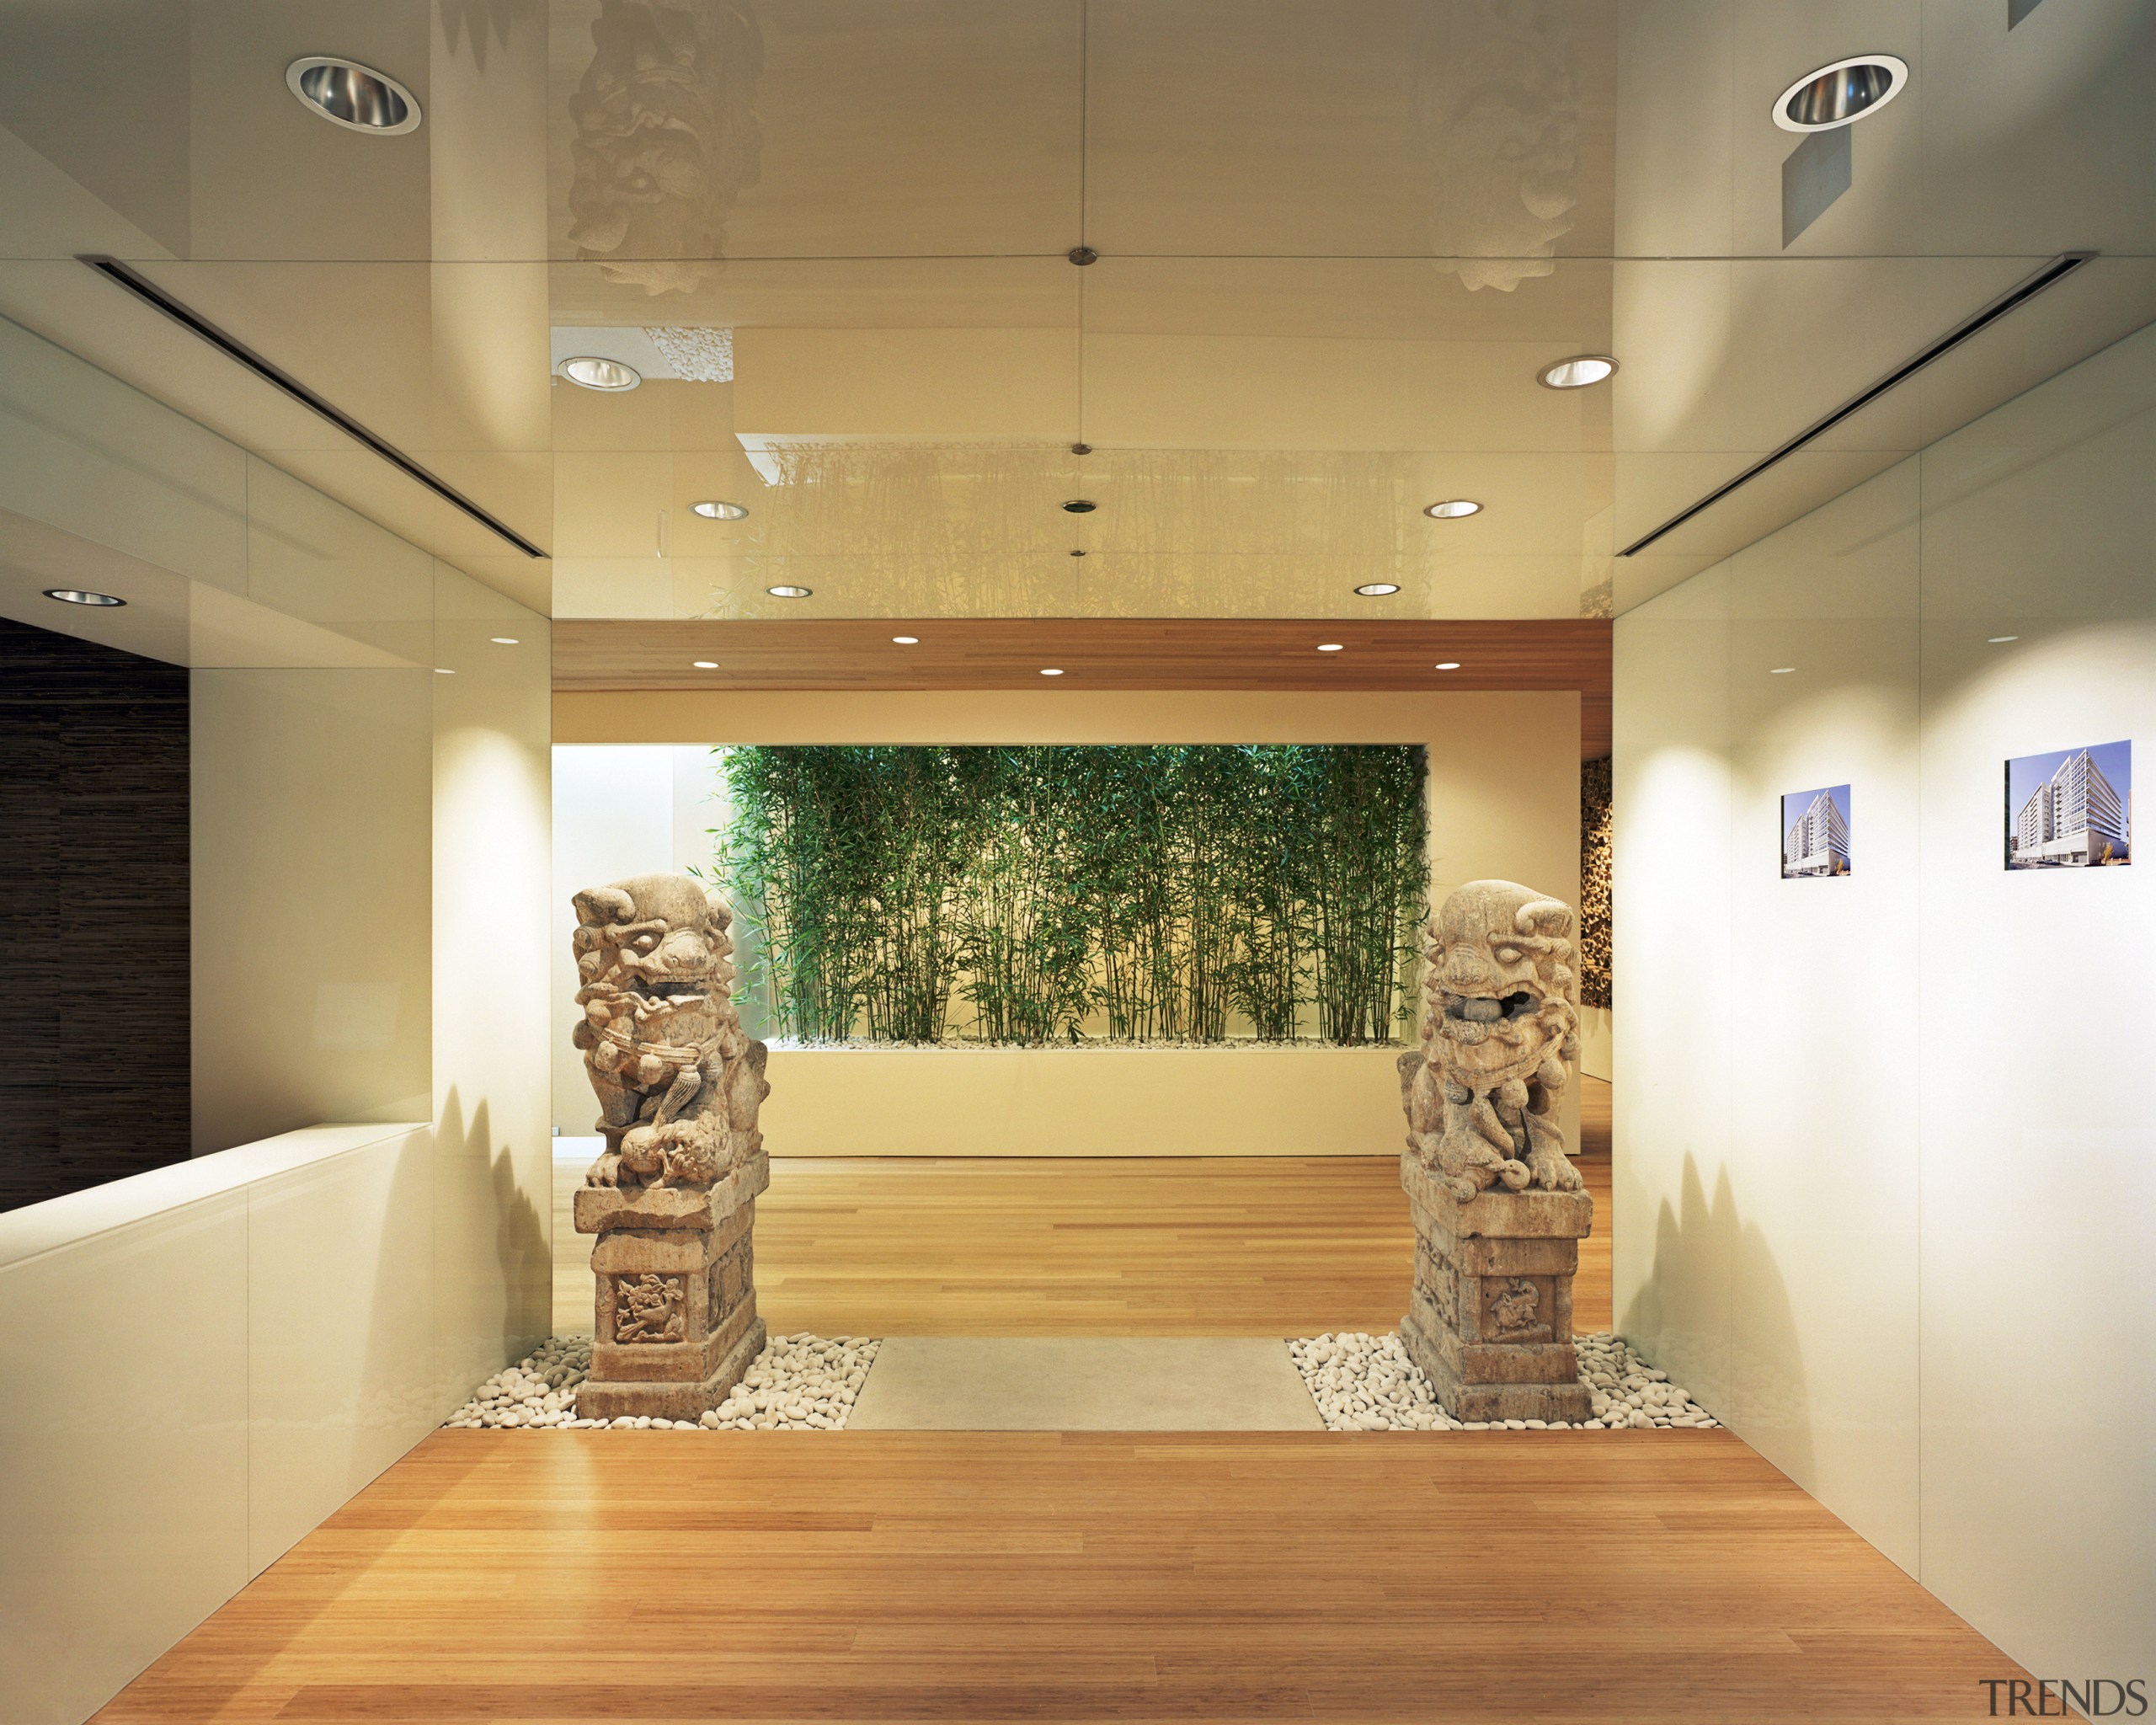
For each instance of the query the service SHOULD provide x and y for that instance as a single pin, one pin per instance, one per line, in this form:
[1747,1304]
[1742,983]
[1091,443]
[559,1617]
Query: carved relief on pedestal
[1511,1310]
[649,1308]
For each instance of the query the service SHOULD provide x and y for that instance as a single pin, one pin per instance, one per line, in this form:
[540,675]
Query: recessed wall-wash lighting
[78,596]
[1377,589]
[789,592]
[713,508]
[1841,93]
[355,97]
[1577,372]
[1453,509]
[590,371]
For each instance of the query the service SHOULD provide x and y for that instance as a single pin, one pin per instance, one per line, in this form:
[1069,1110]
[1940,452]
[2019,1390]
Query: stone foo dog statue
[1499,1210]
[1483,1092]
[679,1083]
[672,1197]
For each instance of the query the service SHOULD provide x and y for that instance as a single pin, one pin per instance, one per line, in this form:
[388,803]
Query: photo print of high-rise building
[1815,833]
[2072,809]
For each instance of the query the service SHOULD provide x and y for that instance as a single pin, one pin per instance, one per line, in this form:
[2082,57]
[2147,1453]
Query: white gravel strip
[1365,1383]
[799,1383]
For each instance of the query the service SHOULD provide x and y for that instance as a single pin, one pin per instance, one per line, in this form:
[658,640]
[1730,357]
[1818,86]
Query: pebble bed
[799,1383]
[1365,1383]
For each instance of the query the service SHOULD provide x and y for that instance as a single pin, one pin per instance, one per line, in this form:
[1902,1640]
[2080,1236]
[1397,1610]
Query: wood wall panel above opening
[1093,653]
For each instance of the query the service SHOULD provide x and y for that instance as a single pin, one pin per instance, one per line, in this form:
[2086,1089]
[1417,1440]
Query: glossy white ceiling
[1336,241]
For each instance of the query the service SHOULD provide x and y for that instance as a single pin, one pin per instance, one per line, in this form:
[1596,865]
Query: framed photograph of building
[1815,833]
[2071,808]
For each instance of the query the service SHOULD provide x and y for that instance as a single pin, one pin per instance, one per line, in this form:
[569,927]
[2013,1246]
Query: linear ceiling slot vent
[277,378]
[2057,269]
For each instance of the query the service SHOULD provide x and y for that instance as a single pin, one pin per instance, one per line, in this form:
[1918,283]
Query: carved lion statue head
[1503,993]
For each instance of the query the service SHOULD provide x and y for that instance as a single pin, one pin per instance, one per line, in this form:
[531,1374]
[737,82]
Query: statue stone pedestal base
[1491,1319]
[674,1323]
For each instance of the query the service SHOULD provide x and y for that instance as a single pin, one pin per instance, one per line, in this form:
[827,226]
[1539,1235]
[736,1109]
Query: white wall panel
[1883,1184]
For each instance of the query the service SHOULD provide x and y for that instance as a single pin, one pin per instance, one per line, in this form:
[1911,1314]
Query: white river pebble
[1362,1382]
[798,1383]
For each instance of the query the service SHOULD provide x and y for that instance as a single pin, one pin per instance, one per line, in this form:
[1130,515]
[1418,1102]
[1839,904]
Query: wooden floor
[1201,1246]
[1471,1576]
[1572,1577]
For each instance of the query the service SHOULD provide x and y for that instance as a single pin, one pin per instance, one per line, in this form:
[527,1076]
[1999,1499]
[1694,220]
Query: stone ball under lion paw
[642,1152]
[1514,1173]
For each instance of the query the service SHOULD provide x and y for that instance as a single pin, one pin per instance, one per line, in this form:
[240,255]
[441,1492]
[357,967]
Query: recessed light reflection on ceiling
[1453,509]
[905,640]
[1842,94]
[1051,671]
[1576,372]
[355,97]
[1999,640]
[1331,646]
[1446,664]
[81,595]
[1377,589]
[590,371]
[704,663]
[789,592]
[712,509]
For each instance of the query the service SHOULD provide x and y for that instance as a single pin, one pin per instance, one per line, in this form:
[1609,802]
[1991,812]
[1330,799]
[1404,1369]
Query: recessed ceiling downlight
[1577,372]
[590,371]
[704,663]
[1453,509]
[1051,670]
[80,595]
[1841,93]
[713,508]
[786,592]
[1331,646]
[1446,664]
[355,97]
[905,640]
[1377,589]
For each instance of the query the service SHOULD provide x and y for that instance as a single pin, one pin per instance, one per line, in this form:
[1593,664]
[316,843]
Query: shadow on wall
[481,1209]
[1681,1319]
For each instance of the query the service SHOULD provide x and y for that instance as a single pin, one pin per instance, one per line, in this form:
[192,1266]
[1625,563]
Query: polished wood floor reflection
[1248,1246]
[1465,1577]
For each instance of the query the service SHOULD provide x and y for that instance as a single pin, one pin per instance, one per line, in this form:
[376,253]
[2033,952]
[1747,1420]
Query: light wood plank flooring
[1211,1246]
[1474,1577]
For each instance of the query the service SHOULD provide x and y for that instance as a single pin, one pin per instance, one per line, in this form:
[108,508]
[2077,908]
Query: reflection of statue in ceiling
[1500,110]
[666,137]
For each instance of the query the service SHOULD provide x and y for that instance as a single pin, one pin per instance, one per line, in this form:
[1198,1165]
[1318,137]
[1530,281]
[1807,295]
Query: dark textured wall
[1594,883]
[94,942]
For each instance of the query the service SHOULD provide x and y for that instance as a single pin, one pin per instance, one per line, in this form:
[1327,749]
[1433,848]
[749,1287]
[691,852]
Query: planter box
[1081,1101]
